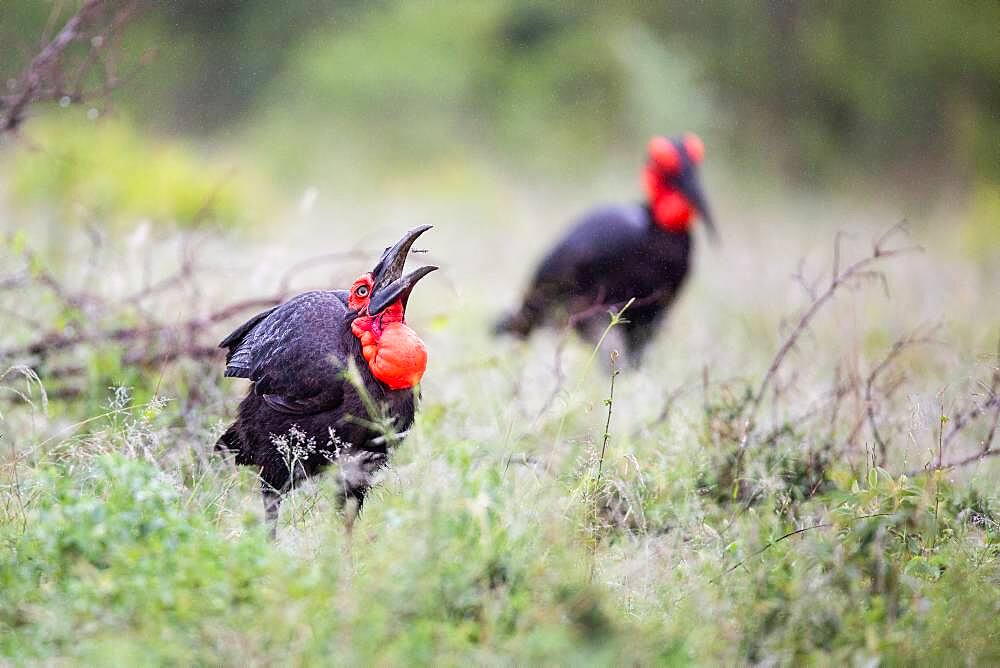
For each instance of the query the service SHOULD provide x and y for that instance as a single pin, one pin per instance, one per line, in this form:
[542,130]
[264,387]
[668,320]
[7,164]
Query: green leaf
[920,567]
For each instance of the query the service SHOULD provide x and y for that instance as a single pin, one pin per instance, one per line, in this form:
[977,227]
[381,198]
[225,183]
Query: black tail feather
[516,324]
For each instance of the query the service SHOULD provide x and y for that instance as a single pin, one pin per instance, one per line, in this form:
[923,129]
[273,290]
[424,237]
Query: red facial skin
[359,302]
[395,354]
[694,147]
[671,210]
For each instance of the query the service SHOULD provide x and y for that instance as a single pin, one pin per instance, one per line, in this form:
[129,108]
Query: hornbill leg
[272,503]
[352,507]
[357,470]
[273,492]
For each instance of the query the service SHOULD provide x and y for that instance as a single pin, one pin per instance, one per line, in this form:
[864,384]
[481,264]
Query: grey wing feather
[238,356]
[293,353]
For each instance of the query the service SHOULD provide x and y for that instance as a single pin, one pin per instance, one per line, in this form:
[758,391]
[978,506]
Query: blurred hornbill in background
[617,253]
[306,408]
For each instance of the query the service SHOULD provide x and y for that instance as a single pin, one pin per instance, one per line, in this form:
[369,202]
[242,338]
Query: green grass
[493,539]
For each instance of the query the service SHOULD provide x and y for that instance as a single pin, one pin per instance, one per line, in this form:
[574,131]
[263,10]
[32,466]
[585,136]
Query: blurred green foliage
[115,552]
[116,541]
[908,86]
[446,77]
[981,234]
[828,92]
[109,171]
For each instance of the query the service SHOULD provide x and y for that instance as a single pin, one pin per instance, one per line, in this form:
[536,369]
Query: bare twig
[898,347]
[987,443]
[146,341]
[44,77]
[991,406]
[964,419]
[971,459]
[858,270]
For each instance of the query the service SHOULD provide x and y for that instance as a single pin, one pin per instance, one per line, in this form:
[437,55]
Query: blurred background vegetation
[895,97]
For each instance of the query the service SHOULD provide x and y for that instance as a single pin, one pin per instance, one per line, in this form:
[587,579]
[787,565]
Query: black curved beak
[689,184]
[389,282]
[398,289]
[390,265]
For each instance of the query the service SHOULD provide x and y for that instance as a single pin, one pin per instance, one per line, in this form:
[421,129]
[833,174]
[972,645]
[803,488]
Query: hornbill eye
[361,291]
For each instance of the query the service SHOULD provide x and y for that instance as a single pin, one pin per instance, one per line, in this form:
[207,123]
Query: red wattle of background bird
[671,210]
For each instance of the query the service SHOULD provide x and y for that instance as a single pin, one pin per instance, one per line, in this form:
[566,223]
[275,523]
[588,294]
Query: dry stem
[45,77]
[858,270]
[150,341]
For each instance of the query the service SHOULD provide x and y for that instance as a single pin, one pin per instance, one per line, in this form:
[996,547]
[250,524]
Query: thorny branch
[859,270]
[149,340]
[58,73]
[898,347]
[961,420]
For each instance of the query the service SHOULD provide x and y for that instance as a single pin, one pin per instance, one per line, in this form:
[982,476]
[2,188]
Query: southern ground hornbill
[617,253]
[307,407]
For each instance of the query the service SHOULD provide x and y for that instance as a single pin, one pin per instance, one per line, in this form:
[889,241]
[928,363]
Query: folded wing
[295,353]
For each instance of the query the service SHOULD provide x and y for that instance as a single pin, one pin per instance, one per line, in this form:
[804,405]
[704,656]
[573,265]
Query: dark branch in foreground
[149,341]
[59,74]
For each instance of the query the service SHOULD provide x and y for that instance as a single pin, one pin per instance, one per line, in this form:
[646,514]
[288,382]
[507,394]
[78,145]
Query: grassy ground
[513,527]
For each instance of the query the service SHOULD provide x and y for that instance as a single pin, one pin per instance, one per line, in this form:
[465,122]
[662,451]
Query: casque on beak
[389,282]
[690,185]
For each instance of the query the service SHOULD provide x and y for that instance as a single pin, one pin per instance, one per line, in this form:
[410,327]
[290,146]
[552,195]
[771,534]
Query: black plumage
[614,254]
[302,412]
